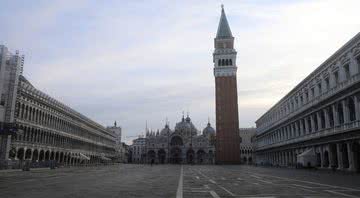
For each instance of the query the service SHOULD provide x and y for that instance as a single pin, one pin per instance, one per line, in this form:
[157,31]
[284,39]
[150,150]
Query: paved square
[178,181]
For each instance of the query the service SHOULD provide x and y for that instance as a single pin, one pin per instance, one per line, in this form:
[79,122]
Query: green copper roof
[223,29]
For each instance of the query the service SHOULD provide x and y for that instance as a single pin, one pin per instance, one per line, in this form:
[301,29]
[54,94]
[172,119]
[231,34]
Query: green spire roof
[223,29]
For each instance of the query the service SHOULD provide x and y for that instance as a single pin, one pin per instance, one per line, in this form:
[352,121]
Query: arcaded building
[39,128]
[318,122]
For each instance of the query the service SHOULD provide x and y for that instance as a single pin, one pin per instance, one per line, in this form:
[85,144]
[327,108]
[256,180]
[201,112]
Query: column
[301,127]
[339,155]
[319,120]
[351,157]
[346,111]
[321,156]
[306,125]
[327,121]
[335,113]
[312,117]
[357,109]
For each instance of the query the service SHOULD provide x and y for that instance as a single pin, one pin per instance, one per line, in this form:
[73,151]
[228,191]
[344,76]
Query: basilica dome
[185,127]
[165,131]
[208,130]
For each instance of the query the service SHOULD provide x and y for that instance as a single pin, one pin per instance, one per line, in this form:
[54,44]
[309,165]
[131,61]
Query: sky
[141,62]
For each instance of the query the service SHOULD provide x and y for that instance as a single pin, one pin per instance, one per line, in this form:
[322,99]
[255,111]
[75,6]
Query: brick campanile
[227,116]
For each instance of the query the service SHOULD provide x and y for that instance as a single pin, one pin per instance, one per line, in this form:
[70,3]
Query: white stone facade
[47,129]
[247,146]
[322,113]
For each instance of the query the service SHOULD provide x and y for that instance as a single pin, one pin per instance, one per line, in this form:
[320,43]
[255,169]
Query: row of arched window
[44,118]
[224,62]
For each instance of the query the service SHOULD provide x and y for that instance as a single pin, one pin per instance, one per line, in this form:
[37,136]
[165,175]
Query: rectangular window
[336,77]
[347,72]
[307,96]
[319,88]
[313,92]
[327,84]
[358,63]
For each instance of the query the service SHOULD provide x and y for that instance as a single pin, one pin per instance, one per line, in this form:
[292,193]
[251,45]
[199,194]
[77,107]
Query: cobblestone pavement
[248,181]
[166,181]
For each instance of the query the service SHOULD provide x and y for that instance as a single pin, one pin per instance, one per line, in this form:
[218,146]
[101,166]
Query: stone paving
[166,181]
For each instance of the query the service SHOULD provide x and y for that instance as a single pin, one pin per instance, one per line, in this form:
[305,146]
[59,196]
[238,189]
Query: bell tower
[227,116]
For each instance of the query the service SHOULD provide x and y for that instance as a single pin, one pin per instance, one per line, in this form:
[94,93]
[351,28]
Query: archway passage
[28,154]
[41,156]
[356,150]
[162,156]
[176,141]
[326,159]
[20,154]
[35,155]
[200,156]
[151,156]
[250,160]
[190,156]
[175,155]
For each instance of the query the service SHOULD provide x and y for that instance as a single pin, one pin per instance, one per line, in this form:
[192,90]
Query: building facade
[319,120]
[138,150]
[49,130]
[227,115]
[247,146]
[184,144]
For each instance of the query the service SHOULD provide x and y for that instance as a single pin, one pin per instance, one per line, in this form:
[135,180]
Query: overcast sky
[133,61]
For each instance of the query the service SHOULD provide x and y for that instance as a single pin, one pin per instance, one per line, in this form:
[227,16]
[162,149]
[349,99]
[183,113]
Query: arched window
[230,62]
[219,62]
[227,62]
[352,110]
[223,62]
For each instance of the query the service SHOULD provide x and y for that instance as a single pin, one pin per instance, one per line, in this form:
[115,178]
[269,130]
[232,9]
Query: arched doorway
[176,141]
[35,155]
[20,154]
[162,156]
[28,154]
[41,155]
[250,160]
[344,155]
[200,156]
[47,155]
[190,156]
[334,156]
[318,159]
[211,156]
[326,159]
[244,160]
[176,157]
[151,156]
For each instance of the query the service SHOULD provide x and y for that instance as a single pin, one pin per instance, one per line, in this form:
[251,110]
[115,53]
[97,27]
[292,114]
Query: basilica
[184,144]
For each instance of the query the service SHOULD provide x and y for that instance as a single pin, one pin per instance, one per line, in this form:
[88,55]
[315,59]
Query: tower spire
[224,28]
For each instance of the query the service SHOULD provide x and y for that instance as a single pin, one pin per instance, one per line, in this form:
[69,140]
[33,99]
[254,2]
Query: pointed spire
[115,123]
[224,28]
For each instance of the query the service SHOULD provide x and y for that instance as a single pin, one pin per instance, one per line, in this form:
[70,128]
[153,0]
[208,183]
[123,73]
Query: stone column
[357,106]
[335,113]
[327,121]
[319,121]
[301,127]
[351,157]
[306,126]
[321,150]
[339,155]
[346,111]
[312,117]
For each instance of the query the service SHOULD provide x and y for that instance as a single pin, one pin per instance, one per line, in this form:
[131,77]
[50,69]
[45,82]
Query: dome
[185,127]
[165,131]
[208,130]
